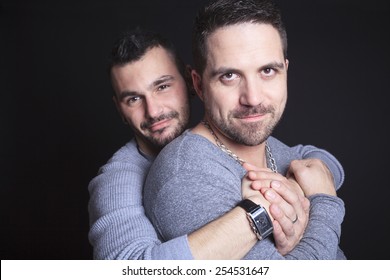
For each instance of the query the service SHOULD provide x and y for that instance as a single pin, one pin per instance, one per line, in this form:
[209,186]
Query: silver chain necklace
[225,149]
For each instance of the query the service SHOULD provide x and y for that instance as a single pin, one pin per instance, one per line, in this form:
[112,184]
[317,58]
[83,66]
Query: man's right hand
[287,203]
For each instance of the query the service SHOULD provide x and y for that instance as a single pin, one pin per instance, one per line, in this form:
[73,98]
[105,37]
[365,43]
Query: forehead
[155,63]
[245,41]
[155,59]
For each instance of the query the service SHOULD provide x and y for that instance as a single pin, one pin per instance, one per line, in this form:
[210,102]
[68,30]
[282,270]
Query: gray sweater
[193,182]
[119,228]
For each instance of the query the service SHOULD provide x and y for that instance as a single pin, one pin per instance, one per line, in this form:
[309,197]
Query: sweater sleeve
[322,236]
[331,162]
[119,228]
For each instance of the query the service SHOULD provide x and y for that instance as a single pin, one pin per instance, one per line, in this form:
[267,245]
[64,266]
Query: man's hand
[288,206]
[313,176]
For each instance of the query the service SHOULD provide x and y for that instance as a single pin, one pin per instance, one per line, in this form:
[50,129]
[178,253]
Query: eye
[268,72]
[131,101]
[163,87]
[229,78]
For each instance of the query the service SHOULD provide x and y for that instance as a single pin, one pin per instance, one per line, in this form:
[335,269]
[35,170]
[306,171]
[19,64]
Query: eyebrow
[161,80]
[224,70]
[277,65]
[126,93]
[155,83]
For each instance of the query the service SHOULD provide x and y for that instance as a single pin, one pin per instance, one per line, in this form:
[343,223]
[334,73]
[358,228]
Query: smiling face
[244,84]
[151,95]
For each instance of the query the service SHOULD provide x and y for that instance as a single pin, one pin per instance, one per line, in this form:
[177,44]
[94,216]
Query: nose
[153,108]
[250,92]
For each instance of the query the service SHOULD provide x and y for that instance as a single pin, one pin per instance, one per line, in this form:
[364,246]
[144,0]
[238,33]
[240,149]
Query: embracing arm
[120,229]
[334,166]
[227,237]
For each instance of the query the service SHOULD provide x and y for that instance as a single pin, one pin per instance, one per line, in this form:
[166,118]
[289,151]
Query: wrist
[258,218]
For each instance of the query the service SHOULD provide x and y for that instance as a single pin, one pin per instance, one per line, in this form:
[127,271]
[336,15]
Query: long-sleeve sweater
[119,228]
[193,182]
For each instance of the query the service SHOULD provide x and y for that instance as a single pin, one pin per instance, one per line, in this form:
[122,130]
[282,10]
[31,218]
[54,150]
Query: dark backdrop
[59,125]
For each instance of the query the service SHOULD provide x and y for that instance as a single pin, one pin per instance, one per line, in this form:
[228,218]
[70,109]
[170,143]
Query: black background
[59,125]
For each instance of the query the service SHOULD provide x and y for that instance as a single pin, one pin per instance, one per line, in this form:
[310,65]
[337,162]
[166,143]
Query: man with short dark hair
[240,56]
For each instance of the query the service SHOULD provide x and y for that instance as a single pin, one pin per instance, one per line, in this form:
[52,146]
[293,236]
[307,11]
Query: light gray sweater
[119,228]
[193,182]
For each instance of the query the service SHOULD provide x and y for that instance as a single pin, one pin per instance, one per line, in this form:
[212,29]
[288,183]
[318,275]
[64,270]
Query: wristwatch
[258,218]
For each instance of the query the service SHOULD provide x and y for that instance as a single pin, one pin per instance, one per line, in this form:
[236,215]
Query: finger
[280,237]
[290,202]
[263,174]
[261,185]
[285,223]
[249,166]
[305,204]
[274,198]
[281,242]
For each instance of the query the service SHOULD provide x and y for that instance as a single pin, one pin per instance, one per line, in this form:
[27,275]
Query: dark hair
[220,13]
[133,45]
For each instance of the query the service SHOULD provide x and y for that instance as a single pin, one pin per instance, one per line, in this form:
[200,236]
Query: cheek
[219,105]
[179,100]
[278,93]
[134,117]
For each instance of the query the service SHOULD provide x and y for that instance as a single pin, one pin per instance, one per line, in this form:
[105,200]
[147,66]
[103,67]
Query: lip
[253,118]
[159,125]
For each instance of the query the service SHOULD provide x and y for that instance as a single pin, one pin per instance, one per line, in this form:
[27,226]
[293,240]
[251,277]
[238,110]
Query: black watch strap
[258,218]
[248,205]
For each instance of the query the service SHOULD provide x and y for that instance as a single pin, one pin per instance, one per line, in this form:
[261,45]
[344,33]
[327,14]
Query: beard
[161,138]
[248,134]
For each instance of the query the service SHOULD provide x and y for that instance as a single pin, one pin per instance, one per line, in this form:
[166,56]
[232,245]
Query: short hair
[220,13]
[133,45]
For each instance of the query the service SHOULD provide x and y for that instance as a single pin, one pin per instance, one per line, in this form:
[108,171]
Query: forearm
[126,233]
[119,228]
[228,237]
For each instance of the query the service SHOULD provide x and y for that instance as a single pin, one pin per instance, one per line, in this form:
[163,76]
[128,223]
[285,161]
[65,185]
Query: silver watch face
[262,222]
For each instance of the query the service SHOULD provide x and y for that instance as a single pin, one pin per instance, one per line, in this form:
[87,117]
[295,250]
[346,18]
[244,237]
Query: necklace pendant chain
[271,158]
[226,150]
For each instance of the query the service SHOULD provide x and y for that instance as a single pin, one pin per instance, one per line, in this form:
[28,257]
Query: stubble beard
[158,139]
[248,134]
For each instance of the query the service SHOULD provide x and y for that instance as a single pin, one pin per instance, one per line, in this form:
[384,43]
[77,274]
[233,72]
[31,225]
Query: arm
[286,237]
[327,210]
[183,197]
[334,166]
[227,237]
[119,228]
[326,213]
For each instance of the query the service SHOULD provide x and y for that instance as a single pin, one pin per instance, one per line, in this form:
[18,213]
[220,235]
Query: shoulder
[126,166]
[191,151]
[127,156]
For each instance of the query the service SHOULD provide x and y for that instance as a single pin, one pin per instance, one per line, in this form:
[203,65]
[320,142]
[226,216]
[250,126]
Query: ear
[197,83]
[188,79]
[287,62]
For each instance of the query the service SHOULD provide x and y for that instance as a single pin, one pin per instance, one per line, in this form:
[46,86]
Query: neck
[255,155]
[147,148]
